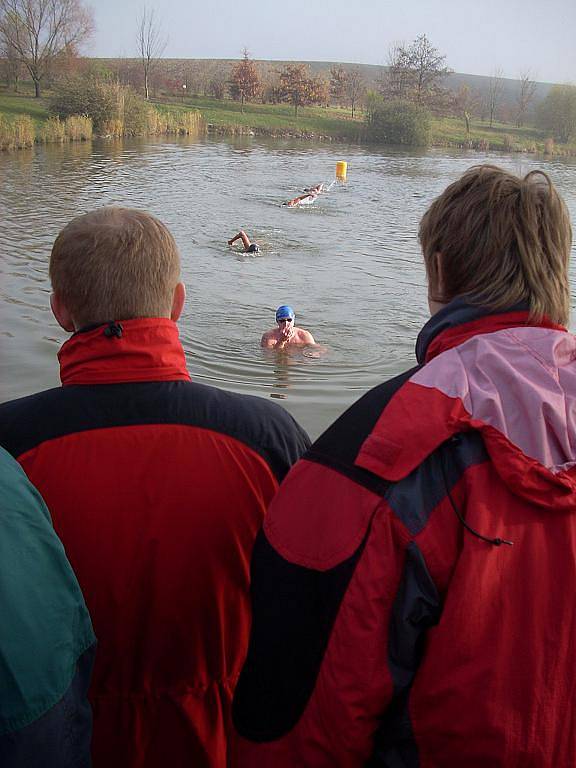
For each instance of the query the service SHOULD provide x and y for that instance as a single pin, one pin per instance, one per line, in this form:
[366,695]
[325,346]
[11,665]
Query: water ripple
[349,264]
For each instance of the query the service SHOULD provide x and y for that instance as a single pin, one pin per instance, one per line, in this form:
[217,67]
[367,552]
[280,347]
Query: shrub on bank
[116,110]
[397,122]
[86,96]
[52,131]
[17,133]
[78,128]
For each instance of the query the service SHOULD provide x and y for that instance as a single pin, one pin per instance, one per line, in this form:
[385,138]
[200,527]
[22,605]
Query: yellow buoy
[341,168]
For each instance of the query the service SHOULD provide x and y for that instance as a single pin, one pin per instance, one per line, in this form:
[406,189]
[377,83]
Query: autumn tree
[37,32]
[151,44]
[524,97]
[338,80]
[297,87]
[245,83]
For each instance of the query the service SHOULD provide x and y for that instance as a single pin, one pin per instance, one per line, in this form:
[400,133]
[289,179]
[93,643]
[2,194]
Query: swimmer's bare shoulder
[269,339]
[304,337]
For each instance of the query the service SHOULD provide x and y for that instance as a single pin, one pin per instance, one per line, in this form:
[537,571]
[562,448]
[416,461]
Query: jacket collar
[146,349]
[459,321]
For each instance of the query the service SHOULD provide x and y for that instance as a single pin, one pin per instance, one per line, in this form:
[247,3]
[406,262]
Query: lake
[350,264]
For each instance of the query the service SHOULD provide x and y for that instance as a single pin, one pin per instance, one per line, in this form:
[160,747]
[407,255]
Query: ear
[438,288]
[178,300]
[439,272]
[61,313]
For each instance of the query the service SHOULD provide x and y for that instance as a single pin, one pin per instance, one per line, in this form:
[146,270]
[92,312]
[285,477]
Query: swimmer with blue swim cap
[286,332]
[249,246]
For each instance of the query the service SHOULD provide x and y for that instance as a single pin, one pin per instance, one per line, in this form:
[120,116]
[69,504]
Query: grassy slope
[280,118]
[12,105]
[332,123]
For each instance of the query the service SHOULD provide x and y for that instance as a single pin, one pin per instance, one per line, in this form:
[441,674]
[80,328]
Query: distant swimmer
[286,333]
[306,199]
[249,246]
[316,189]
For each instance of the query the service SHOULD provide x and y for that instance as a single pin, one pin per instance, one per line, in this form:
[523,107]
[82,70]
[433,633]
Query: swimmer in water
[286,332]
[316,189]
[306,199]
[249,246]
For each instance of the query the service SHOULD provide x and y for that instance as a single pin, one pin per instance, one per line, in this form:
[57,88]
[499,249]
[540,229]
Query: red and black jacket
[157,487]
[393,622]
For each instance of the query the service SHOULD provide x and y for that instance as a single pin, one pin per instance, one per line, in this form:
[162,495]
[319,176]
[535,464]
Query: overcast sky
[477,36]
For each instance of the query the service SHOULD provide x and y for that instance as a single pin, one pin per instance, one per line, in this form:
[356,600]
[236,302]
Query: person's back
[412,584]
[47,644]
[157,487]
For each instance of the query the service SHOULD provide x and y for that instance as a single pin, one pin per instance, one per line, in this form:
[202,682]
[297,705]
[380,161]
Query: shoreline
[323,124]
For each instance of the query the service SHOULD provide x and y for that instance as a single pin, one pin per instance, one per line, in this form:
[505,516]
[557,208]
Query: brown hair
[502,240]
[115,264]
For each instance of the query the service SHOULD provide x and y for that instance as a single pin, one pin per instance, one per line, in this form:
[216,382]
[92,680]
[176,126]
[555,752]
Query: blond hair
[502,240]
[115,264]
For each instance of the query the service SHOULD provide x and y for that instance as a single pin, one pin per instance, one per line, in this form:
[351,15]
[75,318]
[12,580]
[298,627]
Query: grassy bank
[325,124]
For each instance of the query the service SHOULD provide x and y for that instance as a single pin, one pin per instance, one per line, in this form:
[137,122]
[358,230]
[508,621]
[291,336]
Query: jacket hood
[510,379]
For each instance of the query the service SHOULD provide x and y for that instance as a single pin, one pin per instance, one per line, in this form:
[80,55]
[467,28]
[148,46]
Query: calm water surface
[349,265]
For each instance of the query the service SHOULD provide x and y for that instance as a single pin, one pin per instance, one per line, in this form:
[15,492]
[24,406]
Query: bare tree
[396,80]
[495,87]
[151,45]
[11,64]
[429,69]
[525,96]
[39,31]
[415,72]
[355,87]
[466,101]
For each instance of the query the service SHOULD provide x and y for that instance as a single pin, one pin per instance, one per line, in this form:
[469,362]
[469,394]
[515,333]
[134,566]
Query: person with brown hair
[412,586]
[157,487]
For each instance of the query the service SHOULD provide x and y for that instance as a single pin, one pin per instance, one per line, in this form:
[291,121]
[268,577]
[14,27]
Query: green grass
[15,104]
[275,119]
[452,130]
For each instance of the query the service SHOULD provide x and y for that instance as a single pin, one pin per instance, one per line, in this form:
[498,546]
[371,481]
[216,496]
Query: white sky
[477,36]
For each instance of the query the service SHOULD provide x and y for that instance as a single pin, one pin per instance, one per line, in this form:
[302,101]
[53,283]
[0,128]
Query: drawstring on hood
[497,541]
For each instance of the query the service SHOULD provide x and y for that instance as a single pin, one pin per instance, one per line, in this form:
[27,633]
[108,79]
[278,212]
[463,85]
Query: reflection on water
[349,264]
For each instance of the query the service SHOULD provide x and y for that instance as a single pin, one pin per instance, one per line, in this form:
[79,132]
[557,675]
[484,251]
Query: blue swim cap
[284,312]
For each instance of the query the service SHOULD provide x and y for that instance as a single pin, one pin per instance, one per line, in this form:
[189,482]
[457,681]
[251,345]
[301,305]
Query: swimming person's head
[283,313]
[114,264]
[498,240]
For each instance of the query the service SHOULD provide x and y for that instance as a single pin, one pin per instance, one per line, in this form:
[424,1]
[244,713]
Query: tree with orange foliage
[245,83]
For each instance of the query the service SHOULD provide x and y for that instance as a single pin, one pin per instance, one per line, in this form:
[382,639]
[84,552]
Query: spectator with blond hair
[157,487]
[412,586]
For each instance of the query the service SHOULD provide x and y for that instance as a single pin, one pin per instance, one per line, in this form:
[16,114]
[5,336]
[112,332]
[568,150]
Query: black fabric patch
[415,497]
[416,608]
[339,446]
[294,610]
[60,738]
[263,426]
